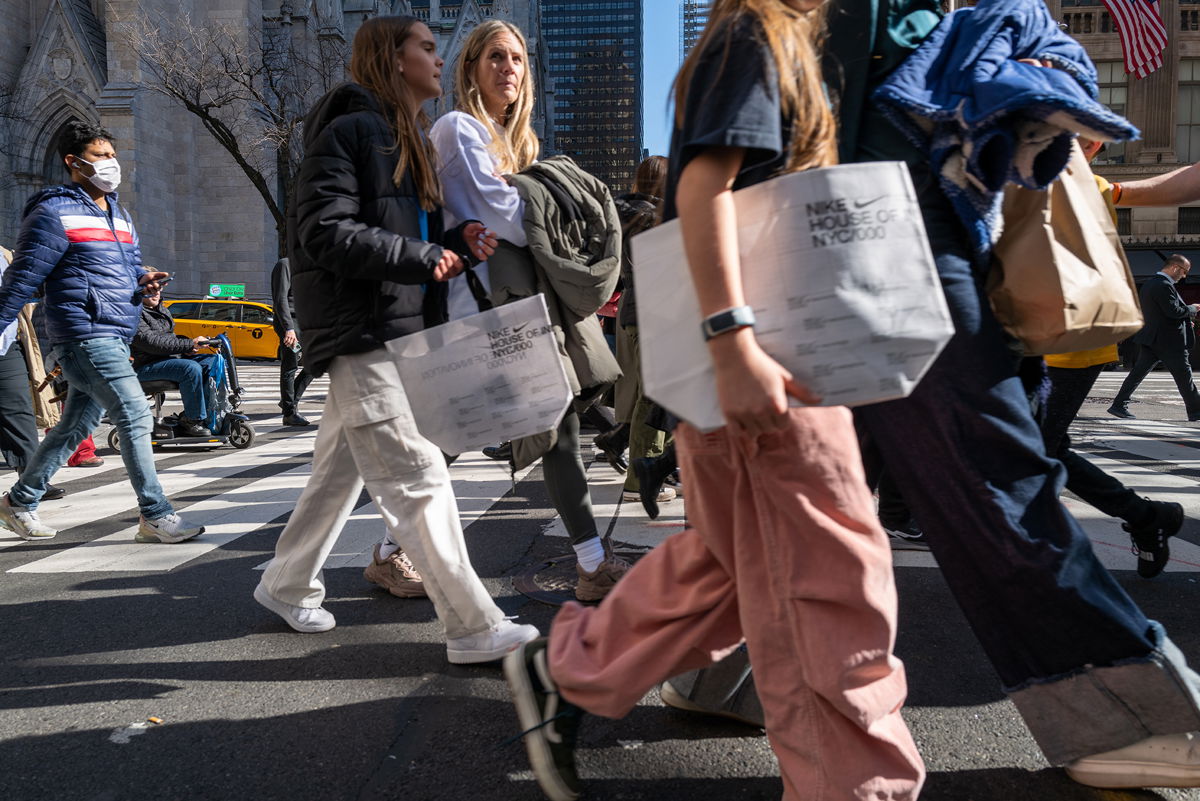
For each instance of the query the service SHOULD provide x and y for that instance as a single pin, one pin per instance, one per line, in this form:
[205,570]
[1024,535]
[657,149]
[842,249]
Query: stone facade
[197,214]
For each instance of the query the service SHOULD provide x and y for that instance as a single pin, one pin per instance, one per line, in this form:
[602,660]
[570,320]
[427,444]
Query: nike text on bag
[837,267]
[1059,280]
[488,378]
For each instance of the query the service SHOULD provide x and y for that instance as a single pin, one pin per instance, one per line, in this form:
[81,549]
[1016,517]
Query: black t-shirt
[733,101]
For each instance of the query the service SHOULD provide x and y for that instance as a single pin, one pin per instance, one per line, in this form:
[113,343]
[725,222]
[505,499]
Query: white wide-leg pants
[367,436]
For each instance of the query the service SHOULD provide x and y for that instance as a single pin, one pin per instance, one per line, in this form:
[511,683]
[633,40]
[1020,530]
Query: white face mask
[107,177]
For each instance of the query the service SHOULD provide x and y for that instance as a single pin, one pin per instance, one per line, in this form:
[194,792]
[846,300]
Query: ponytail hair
[374,65]
[793,38]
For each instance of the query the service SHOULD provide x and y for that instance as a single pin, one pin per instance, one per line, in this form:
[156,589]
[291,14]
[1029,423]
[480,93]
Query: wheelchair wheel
[241,435]
[114,441]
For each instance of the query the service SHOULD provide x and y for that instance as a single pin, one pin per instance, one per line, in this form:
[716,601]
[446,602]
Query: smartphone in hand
[142,290]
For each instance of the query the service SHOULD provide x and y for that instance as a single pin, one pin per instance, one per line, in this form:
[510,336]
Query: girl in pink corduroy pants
[785,550]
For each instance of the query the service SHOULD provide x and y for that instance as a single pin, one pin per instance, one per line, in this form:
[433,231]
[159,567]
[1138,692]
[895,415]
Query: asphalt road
[99,636]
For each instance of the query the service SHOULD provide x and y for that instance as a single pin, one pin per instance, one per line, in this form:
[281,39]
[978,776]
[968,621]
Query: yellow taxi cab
[247,322]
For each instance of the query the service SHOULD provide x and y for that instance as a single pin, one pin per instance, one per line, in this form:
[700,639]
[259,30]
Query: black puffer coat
[359,266]
[156,339]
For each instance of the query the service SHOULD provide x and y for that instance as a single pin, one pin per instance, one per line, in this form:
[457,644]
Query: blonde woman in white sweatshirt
[490,136]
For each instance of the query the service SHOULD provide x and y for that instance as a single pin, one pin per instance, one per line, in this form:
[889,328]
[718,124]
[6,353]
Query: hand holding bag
[837,267]
[1059,280]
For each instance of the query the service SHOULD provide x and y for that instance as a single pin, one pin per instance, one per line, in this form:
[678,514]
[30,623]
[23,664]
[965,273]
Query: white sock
[590,554]
[387,547]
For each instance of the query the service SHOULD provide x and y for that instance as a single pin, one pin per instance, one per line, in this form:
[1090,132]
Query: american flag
[1143,35]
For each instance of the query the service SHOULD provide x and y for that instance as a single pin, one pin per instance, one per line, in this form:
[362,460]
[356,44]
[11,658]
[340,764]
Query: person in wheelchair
[159,354]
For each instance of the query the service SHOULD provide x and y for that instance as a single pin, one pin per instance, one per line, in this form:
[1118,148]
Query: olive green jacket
[574,259]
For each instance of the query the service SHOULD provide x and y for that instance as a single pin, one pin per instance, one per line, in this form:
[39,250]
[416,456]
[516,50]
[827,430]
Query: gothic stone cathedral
[197,214]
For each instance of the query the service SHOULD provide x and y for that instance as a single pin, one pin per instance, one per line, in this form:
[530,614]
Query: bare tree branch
[249,88]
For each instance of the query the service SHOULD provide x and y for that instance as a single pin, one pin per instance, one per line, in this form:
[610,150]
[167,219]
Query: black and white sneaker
[1150,541]
[906,536]
[550,722]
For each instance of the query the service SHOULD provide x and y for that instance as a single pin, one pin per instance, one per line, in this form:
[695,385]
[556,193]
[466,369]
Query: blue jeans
[1085,668]
[190,375]
[101,379]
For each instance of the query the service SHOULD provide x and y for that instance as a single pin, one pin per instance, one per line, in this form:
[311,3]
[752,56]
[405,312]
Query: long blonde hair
[793,38]
[374,65]
[515,146]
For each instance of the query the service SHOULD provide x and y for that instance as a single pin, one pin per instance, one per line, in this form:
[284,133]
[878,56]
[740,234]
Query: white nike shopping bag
[838,270]
[491,377]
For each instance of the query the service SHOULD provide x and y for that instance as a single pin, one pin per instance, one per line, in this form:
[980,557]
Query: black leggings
[566,482]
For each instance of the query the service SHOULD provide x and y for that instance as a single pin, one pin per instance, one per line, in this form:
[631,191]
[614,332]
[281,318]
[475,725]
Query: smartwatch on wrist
[728,320]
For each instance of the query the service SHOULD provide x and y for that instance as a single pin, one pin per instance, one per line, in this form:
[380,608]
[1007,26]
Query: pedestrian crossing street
[1157,387]
[238,493]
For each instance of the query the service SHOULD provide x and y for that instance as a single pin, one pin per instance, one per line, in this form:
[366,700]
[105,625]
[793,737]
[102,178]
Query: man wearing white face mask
[80,245]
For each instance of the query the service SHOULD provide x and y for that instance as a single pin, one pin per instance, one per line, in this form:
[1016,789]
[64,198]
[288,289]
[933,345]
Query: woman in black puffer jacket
[365,269]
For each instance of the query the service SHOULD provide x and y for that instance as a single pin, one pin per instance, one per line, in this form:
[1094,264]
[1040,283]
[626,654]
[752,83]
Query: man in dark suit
[1166,337]
[293,379]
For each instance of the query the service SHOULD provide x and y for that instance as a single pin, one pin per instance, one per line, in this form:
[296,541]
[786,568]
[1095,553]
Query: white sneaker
[489,645]
[665,494]
[24,521]
[305,621]
[168,528]
[1171,760]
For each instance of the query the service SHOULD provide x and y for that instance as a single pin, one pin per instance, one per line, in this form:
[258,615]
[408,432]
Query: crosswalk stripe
[226,517]
[1172,452]
[479,483]
[117,497]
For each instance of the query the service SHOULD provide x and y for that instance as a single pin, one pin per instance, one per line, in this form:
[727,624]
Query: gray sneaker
[169,528]
[24,521]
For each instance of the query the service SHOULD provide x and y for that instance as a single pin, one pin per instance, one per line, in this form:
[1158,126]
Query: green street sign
[227,290]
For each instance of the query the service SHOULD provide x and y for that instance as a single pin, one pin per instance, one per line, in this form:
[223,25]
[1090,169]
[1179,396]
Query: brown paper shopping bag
[1059,280]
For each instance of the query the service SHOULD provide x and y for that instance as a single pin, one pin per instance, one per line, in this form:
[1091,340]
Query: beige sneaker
[599,583]
[395,574]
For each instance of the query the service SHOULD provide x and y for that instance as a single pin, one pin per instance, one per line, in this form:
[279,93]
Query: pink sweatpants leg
[786,552]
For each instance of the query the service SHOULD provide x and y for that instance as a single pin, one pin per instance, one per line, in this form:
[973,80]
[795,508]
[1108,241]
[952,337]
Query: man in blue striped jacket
[79,244]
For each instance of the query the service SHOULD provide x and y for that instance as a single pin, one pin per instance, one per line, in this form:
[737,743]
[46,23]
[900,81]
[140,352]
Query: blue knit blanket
[987,119]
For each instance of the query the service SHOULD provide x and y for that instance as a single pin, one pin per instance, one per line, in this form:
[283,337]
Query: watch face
[728,320]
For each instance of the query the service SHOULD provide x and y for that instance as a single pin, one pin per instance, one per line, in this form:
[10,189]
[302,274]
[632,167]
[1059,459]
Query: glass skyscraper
[593,51]
[693,16]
